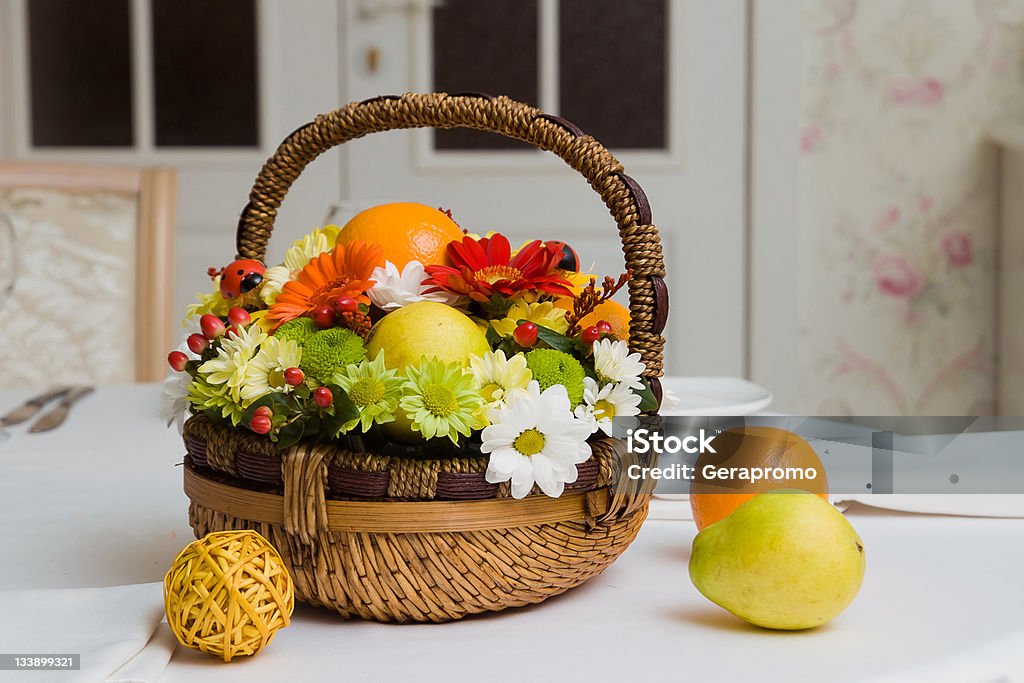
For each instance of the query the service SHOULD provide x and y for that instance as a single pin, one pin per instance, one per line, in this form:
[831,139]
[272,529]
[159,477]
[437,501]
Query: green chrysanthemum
[330,351]
[298,330]
[206,396]
[441,400]
[550,367]
[374,389]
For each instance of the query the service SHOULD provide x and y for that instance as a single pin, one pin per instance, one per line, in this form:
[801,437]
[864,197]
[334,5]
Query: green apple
[783,560]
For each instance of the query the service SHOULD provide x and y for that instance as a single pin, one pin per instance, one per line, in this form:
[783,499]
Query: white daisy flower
[233,357]
[536,440]
[602,404]
[265,372]
[614,363]
[500,379]
[394,290]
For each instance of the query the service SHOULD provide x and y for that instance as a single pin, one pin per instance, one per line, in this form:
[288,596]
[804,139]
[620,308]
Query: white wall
[774,193]
[6,107]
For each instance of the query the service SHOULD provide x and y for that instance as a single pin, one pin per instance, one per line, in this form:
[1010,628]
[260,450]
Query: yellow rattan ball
[227,594]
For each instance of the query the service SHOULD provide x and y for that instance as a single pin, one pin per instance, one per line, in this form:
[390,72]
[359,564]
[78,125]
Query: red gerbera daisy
[485,267]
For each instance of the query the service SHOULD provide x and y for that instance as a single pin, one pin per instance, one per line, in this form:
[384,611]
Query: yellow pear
[783,560]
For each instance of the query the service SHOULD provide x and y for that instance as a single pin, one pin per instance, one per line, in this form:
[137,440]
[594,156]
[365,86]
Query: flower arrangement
[390,331]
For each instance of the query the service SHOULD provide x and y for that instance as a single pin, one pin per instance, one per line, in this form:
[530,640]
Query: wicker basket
[399,535]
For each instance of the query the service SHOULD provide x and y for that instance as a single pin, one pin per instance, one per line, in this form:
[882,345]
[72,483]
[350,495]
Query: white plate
[713,396]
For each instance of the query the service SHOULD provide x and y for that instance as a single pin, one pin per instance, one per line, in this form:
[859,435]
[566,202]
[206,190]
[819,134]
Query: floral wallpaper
[899,202]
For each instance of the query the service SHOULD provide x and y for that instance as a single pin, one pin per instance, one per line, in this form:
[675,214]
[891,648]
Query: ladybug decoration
[241,277]
[570,259]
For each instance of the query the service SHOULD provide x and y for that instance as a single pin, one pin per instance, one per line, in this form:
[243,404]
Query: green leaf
[293,433]
[493,338]
[509,346]
[345,410]
[557,341]
[647,400]
[275,400]
[496,307]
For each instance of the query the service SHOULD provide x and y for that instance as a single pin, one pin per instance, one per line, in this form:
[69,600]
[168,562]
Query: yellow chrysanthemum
[208,302]
[305,249]
[260,318]
[578,280]
[544,314]
[500,379]
[233,357]
[265,372]
[205,396]
[274,280]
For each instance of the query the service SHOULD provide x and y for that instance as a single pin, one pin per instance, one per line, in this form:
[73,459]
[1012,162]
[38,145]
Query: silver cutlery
[55,418]
[31,407]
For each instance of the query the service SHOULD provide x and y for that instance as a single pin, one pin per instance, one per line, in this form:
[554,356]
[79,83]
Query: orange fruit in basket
[768,448]
[615,313]
[406,231]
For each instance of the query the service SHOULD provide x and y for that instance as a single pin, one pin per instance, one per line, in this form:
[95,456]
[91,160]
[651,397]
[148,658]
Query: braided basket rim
[235,454]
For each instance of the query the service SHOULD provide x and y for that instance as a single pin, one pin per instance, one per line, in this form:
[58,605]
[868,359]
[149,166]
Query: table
[98,502]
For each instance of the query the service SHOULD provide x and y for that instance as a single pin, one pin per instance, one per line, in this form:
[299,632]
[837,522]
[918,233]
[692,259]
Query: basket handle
[648,295]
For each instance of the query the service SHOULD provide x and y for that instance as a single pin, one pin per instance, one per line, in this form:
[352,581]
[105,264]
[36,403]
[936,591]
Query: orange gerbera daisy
[343,271]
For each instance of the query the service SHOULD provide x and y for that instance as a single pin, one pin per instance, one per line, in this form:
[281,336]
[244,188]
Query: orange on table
[765,447]
[406,231]
[615,313]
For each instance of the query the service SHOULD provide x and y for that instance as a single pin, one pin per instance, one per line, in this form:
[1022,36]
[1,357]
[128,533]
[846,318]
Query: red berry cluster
[343,312]
[262,420]
[527,333]
[325,316]
[212,328]
[595,332]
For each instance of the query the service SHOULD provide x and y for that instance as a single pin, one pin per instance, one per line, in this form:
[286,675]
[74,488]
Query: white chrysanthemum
[265,372]
[174,399]
[233,357]
[614,363]
[174,392]
[394,290]
[500,379]
[274,280]
[536,440]
[602,404]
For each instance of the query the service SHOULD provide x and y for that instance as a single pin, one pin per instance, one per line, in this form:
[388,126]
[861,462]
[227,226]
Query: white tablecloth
[99,503]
